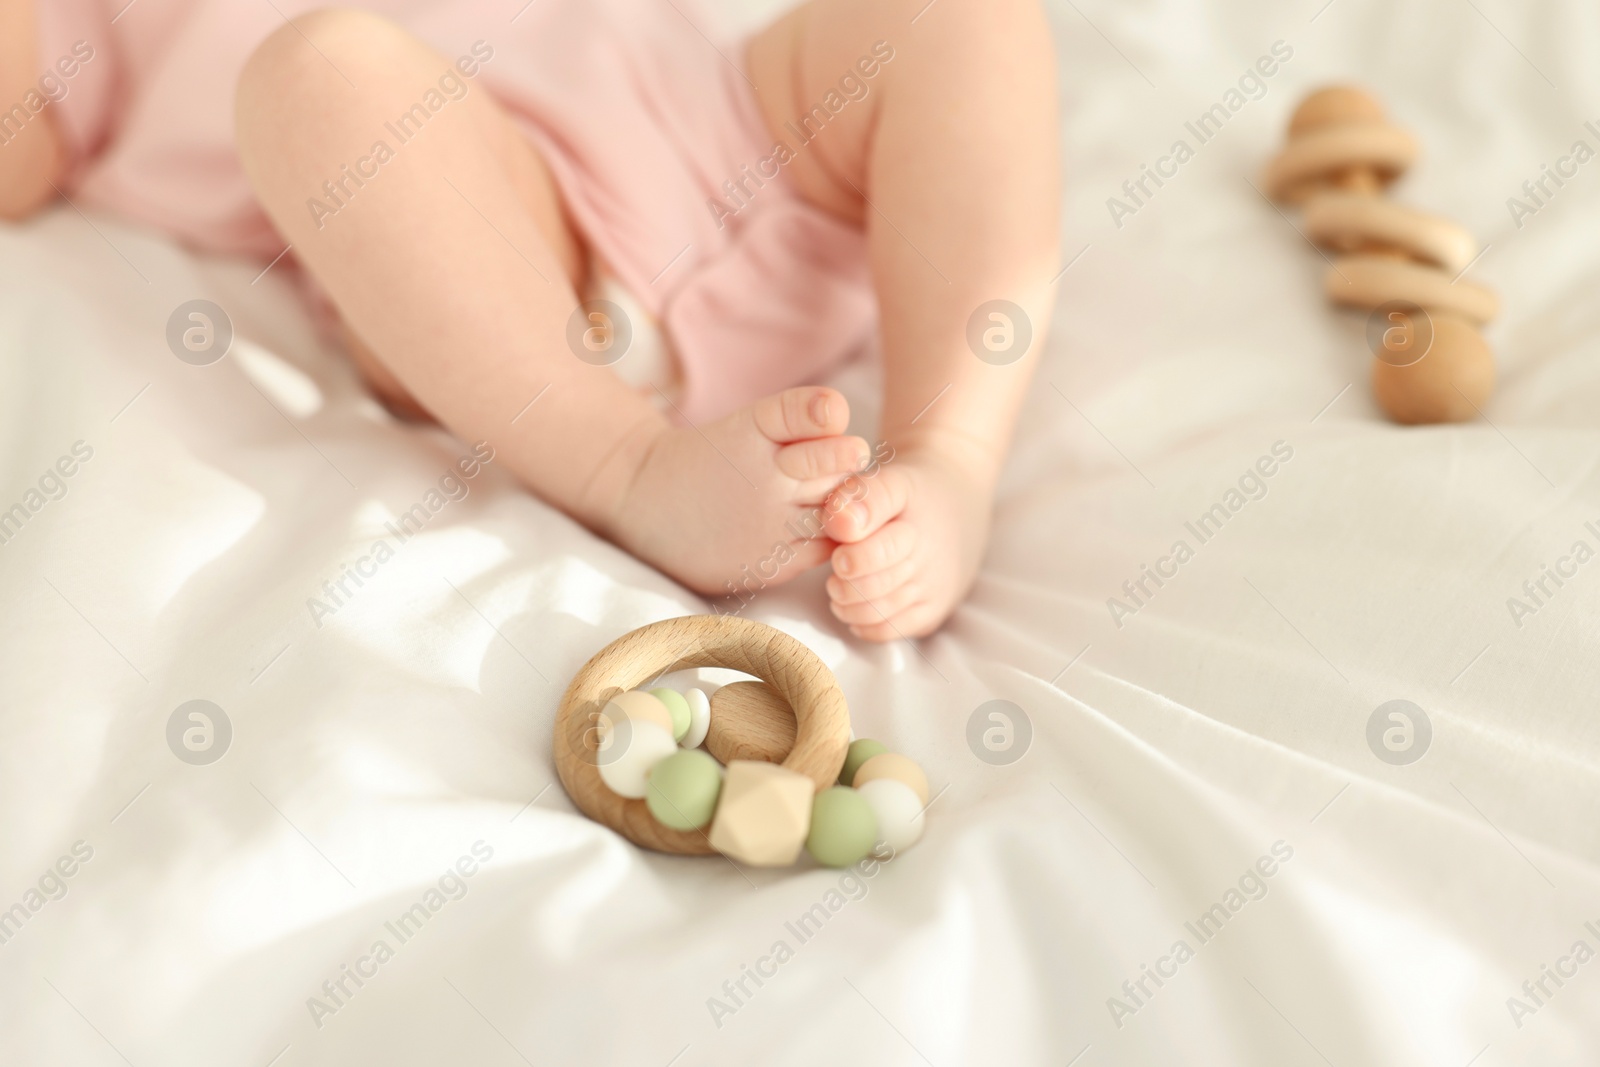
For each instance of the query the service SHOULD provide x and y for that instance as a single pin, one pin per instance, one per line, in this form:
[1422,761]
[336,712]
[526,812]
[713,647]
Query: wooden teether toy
[630,758]
[1432,363]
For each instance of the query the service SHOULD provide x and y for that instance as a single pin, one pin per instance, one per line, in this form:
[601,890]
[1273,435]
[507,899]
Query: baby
[464,179]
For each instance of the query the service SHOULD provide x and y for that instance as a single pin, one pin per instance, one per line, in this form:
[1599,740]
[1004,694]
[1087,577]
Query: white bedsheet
[369,754]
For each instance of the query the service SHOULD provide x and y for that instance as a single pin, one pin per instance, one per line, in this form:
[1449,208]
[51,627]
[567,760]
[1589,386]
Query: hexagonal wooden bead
[764,814]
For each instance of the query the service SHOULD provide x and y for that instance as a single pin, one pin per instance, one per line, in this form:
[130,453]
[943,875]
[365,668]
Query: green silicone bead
[677,707]
[859,752]
[682,789]
[843,828]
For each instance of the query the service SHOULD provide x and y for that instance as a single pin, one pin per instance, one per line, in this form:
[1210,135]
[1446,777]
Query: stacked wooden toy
[1400,265]
[646,762]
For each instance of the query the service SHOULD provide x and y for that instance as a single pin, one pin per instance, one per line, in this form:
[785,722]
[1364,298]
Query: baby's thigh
[831,67]
[312,98]
[795,63]
[337,78]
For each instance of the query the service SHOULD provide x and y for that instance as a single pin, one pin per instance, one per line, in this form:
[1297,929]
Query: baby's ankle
[973,457]
[605,500]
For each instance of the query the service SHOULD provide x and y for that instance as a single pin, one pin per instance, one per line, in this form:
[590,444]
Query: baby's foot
[909,548]
[734,506]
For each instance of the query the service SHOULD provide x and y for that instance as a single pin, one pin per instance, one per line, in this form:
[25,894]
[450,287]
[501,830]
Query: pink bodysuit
[652,133]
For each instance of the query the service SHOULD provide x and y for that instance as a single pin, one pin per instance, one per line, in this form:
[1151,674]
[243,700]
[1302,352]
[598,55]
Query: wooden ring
[1311,157]
[1351,222]
[821,714]
[1369,282]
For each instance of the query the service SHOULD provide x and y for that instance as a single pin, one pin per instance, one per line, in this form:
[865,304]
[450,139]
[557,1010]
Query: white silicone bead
[699,718]
[898,809]
[628,752]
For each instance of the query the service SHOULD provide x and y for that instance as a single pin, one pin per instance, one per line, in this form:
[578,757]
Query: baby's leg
[457,305]
[951,163]
[30,151]
[452,262]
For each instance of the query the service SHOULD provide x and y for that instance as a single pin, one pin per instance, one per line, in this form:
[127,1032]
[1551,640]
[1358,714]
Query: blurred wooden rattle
[1400,265]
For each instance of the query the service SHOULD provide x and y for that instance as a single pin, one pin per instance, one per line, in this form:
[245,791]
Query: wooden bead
[764,814]
[750,721]
[632,747]
[893,765]
[634,704]
[1335,105]
[1449,384]
[699,718]
[897,811]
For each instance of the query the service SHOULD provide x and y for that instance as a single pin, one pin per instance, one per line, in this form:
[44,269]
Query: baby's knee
[332,32]
[963,40]
[320,46]
[316,57]
[1010,31]
[964,18]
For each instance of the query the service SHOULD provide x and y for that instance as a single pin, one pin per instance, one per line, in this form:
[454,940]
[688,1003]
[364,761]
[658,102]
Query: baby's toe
[805,553]
[826,459]
[877,632]
[880,551]
[919,620]
[856,590]
[801,413]
[872,610]
[856,515]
